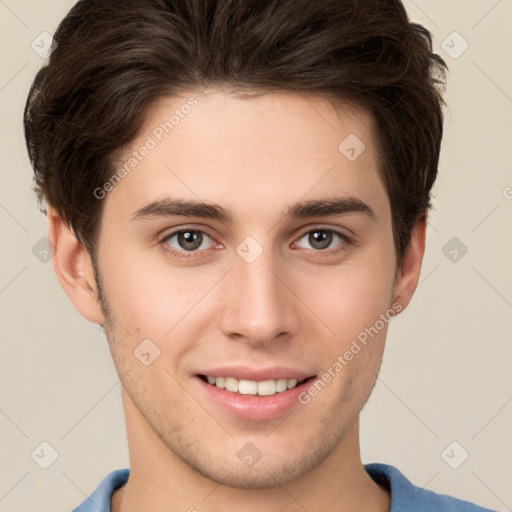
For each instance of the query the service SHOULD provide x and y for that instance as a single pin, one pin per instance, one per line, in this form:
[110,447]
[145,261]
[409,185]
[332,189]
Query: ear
[408,274]
[73,267]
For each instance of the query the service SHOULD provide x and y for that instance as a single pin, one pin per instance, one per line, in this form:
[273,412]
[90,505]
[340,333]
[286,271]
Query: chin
[270,471]
[251,478]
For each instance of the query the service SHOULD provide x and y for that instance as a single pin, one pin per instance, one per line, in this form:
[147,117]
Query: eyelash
[183,254]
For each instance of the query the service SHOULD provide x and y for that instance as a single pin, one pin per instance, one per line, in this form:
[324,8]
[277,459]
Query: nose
[258,304]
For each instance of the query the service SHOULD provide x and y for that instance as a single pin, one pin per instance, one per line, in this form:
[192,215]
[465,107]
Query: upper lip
[257,374]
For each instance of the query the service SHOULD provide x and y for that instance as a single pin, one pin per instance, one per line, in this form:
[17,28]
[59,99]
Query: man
[237,191]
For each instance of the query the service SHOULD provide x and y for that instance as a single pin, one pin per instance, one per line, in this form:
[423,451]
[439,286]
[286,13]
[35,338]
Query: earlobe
[73,268]
[408,274]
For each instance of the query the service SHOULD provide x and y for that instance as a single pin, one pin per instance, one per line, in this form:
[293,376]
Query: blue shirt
[405,496]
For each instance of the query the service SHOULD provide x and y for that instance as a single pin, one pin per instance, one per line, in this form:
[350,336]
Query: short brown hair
[114,59]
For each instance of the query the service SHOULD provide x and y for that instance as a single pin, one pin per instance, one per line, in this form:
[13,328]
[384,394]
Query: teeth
[248,387]
[281,385]
[252,387]
[267,387]
[232,384]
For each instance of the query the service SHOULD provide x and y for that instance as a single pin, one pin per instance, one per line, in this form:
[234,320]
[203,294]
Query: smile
[252,387]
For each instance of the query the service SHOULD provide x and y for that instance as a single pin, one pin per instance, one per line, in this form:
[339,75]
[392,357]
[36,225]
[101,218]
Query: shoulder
[407,497]
[99,500]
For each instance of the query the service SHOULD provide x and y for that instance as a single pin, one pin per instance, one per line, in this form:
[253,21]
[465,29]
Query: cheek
[352,298]
[148,296]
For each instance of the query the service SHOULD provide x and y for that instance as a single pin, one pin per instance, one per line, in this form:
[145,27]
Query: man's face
[265,297]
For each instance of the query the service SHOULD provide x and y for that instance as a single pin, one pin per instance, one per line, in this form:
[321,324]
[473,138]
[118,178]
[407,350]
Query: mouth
[254,394]
[252,387]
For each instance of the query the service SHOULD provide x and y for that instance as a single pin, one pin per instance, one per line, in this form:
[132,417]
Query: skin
[295,305]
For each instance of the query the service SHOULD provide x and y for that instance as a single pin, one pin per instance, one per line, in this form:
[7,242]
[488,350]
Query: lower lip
[254,407]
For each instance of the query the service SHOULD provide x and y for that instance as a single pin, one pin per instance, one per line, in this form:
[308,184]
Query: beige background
[446,374]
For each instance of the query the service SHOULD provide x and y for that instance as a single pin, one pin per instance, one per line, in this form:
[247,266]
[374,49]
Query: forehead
[240,116]
[271,148]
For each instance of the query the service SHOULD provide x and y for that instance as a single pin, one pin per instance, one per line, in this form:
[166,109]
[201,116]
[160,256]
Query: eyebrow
[168,206]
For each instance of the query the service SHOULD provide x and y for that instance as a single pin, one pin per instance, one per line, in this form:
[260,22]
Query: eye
[321,239]
[189,243]
[186,241]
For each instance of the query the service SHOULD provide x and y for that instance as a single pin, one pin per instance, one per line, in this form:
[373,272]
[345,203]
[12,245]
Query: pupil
[321,238]
[189,240]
